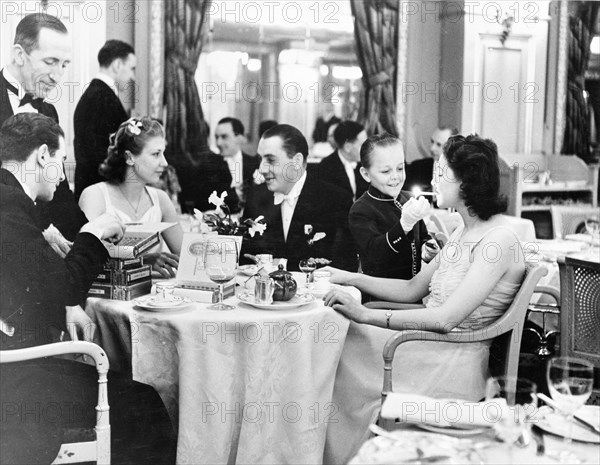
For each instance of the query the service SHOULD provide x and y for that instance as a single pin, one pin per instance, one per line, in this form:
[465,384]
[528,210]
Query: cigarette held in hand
[418,192]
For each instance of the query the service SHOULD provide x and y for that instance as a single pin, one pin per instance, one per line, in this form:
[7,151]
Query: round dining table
[248,385]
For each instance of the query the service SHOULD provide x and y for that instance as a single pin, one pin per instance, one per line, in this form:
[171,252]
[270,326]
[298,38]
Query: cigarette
[417,194]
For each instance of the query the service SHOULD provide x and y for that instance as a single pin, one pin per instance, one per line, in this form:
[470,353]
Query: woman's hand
[345,304]
[165,263]
[338,276]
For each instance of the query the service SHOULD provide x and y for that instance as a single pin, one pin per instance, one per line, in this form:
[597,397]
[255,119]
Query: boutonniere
[311,235]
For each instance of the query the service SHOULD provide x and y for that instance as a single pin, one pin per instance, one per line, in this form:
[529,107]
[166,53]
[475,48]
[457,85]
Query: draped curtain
[582,23]
[376,34]
[186,30]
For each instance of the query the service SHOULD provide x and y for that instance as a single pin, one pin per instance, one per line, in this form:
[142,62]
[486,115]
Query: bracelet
[388,315]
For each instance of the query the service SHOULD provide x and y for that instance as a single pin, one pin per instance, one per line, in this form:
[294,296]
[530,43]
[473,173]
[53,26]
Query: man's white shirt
[288,203]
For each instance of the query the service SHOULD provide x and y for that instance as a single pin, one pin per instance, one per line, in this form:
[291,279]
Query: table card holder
[190,272]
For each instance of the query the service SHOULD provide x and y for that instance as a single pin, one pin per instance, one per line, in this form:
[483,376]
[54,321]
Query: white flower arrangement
[221,221]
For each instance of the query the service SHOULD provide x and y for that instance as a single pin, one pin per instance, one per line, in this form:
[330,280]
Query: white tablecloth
[245,386]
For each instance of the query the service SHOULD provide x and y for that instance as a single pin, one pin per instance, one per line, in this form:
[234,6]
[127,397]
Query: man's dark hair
[236,125]
[113,50]
[28,29]
[347,131]
[293,140]
[474,161]
[265,125]
[23,133]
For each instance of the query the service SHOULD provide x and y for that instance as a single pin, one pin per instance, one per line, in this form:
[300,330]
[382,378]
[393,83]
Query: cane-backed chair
[580,313]
[98,450]
[508,329]
[569,219]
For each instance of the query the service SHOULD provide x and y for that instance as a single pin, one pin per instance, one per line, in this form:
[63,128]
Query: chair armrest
[382,305]
[551,291]
[58,348]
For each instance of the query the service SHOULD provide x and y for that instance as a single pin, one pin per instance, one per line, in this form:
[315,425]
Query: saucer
[294,302]
[151,303]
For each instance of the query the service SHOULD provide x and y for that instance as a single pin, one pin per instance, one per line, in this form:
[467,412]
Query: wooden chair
[580,312]
[98,450]
[508,328]
[569,219]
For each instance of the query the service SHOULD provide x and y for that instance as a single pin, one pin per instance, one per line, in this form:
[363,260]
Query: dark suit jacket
[323,206]
[35,283]
[331,170]
[250,164]
[209,173]
[385,250]
[97,115]
[63,210]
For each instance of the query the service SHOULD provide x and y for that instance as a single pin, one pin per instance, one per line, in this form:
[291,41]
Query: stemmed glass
[220,263]
[307,267]
[570,381]
[592,226]
[517,402]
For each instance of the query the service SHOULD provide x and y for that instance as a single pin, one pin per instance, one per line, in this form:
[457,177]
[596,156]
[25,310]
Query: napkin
[413,408]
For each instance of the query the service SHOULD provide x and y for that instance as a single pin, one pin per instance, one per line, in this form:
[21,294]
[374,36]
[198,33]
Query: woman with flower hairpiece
[135,161]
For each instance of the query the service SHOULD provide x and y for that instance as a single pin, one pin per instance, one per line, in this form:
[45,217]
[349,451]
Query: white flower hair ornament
[135,127]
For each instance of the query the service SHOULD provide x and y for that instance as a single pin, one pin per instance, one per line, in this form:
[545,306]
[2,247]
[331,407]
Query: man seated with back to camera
[41,294]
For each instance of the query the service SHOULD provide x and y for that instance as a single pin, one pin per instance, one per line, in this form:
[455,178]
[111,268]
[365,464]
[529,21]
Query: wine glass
[516,401]
[570,381]
[220,263]
[592,226]
[307,267]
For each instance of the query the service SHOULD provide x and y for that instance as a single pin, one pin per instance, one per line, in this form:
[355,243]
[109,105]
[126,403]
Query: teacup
[164,292]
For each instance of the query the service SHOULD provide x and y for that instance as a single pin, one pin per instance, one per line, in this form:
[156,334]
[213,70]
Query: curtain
[186,32]
[376,34]
[583,19]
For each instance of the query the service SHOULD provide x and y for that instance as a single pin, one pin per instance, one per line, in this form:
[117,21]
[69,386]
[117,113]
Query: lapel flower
[135,127]
[256,226]
[311,235]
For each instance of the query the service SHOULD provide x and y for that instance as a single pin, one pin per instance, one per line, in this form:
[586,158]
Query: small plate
[296,301]
[456,432]
[150,303]
[552,422]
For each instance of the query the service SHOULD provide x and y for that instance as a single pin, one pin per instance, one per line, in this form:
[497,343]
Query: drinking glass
[570,381]
[220,263]
[517,403]
[592,226]
[307,267]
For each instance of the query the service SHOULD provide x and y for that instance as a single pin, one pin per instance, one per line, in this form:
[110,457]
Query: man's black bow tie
[35,102]
[28,98]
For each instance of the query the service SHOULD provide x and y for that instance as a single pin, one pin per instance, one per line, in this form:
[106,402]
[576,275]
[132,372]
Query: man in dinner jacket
[40,56]
[305,217]
[100,112]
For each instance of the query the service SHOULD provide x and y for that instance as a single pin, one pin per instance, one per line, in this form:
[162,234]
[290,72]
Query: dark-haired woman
[472,281]
[136,159]
[385,221]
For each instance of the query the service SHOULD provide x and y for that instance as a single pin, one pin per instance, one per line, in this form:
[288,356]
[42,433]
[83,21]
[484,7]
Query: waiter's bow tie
[29,98]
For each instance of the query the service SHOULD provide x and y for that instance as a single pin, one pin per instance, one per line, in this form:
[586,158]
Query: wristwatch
[388,315]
